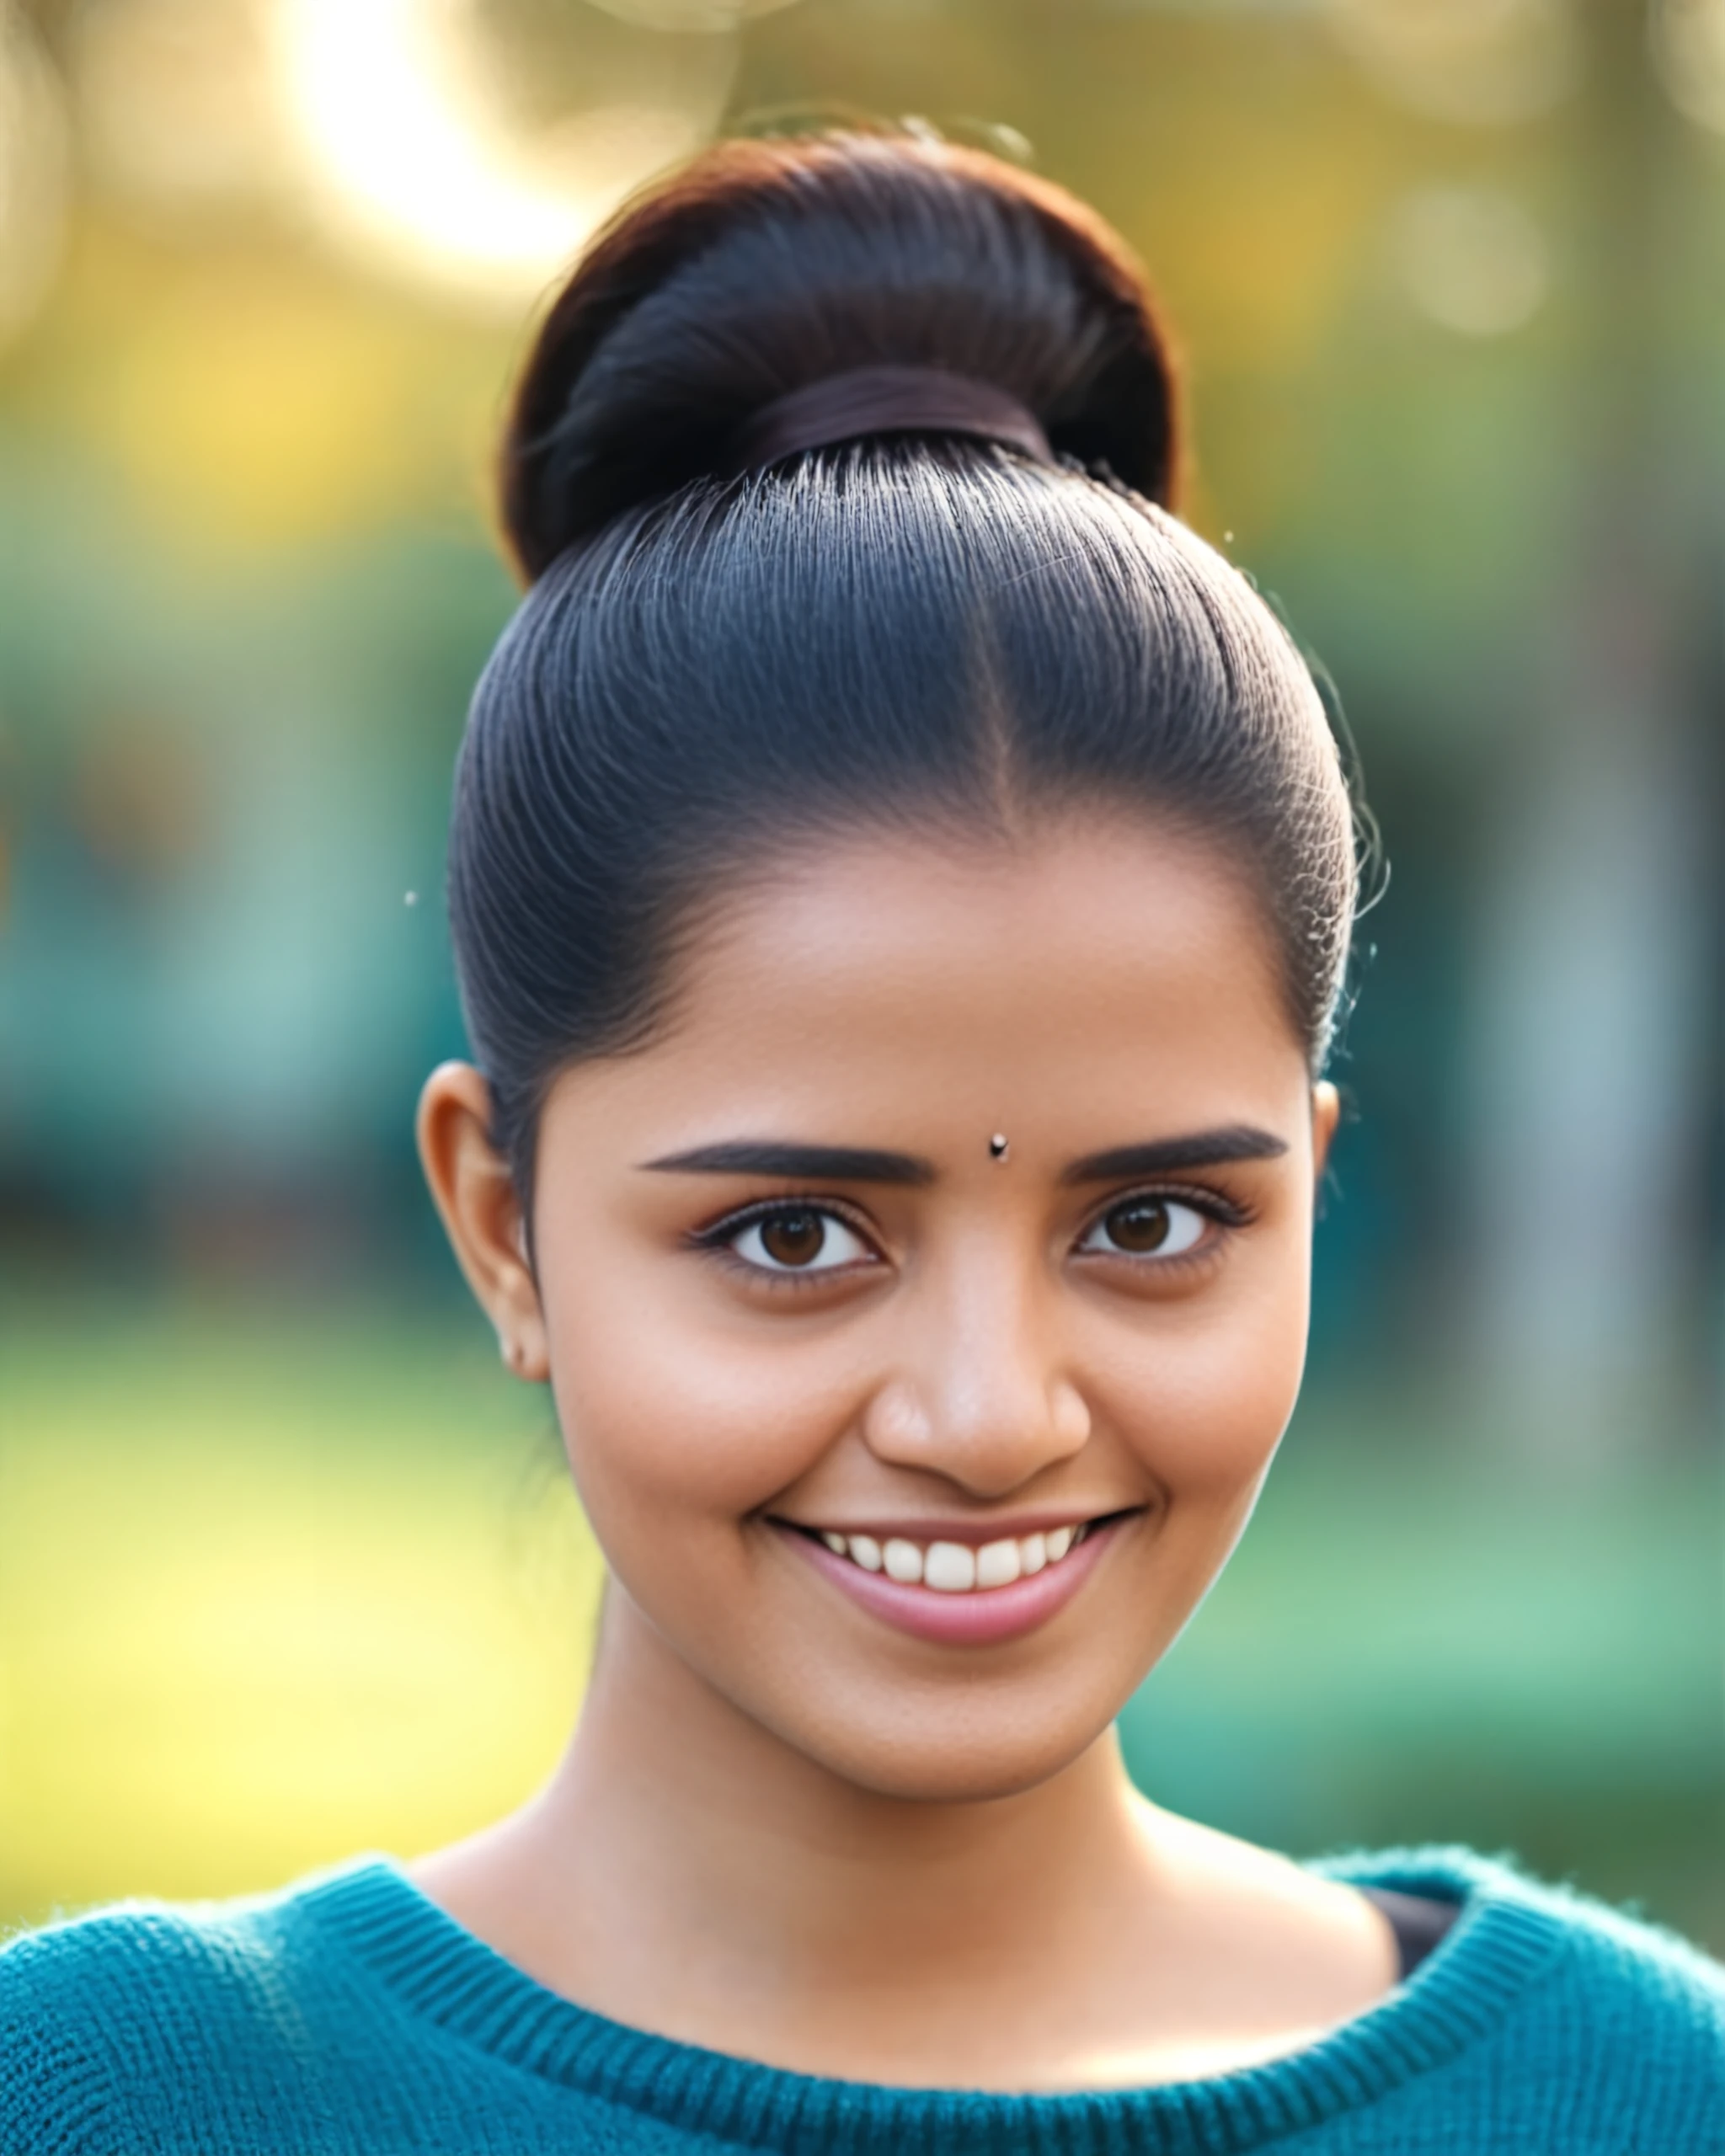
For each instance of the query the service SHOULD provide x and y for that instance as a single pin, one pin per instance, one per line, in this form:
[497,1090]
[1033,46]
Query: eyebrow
[1201,1149]
[768,1156]
[772,1156]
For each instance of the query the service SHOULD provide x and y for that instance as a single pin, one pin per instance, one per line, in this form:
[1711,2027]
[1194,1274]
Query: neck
[687,1872]
[683,1856]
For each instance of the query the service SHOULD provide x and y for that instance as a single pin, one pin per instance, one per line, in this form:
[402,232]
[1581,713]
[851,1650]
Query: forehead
[1090,962]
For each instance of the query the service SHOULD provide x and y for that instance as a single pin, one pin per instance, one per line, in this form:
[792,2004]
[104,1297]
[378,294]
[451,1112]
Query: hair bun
[763,267]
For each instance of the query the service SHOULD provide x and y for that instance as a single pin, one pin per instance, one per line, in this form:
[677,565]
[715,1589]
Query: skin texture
[786,1828]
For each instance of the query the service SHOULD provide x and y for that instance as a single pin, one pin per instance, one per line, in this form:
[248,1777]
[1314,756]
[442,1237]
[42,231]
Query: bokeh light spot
[1471,259]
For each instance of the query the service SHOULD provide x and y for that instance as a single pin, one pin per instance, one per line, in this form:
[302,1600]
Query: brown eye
[801,1239]
[793,1238]
[1146,1227]
[1140,1227]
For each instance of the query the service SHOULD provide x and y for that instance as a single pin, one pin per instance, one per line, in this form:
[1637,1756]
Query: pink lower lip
[978,1619]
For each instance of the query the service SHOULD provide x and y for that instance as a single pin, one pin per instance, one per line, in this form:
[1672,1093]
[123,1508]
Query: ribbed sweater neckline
[443,1974]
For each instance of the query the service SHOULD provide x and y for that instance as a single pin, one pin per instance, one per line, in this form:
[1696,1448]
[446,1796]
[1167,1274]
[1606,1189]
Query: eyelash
[1212,1204]
[1215,1204]
[714,1240]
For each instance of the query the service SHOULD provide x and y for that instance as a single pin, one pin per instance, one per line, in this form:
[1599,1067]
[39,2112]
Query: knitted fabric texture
[349,2017]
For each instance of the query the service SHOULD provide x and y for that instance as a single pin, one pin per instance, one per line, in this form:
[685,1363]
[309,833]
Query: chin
[950,1756]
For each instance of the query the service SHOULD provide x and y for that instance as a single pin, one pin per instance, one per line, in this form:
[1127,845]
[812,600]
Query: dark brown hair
[915,627]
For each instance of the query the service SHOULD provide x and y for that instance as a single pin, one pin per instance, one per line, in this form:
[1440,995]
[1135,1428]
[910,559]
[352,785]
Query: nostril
[989,1436]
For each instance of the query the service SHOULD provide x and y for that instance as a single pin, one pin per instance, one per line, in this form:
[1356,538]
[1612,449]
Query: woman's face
[823,1349]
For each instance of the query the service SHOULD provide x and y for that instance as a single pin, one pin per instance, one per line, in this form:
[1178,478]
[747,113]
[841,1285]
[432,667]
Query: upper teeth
[955,1567]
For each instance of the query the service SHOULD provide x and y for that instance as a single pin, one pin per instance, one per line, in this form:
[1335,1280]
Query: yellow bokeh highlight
[249,397]
[260,1608]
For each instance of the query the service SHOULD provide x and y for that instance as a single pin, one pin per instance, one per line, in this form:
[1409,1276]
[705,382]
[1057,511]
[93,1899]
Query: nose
[981,1397]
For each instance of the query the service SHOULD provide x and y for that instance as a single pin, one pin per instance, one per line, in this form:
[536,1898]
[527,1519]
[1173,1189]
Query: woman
[901,882]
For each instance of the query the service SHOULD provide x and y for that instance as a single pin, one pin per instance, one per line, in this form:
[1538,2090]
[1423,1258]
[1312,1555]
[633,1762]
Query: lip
[980,1618]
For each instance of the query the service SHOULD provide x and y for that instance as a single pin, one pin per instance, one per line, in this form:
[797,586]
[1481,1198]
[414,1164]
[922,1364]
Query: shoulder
[104,2018]
[1567,2001]
[1629,1979]
[156,1956]
[1615,1958]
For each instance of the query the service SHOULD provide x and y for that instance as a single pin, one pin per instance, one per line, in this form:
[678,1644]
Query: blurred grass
[1439,1634]
[280,1584]
[272,1587]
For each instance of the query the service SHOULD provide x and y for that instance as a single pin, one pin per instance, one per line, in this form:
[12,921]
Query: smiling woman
[901,882]
[898,1343]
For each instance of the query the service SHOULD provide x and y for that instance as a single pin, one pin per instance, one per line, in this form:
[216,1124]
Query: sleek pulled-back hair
[915,628]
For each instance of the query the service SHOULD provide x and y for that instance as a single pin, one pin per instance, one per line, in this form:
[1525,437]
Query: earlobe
[1326,1114]
[475,1198]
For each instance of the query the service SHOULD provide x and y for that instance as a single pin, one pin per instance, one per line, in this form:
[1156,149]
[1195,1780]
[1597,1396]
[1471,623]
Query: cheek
[672,1420]
[1203,1405]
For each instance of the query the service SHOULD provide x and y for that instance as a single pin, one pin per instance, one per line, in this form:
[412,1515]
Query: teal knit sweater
[349,2017]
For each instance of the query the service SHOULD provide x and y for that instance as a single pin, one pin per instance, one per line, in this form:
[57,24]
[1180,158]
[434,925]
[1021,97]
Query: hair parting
[906,615]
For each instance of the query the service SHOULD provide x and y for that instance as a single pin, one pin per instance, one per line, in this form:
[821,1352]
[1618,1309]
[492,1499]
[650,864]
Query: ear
[1326,1114]
[481,1210]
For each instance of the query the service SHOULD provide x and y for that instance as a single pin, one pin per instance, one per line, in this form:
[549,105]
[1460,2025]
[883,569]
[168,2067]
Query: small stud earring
[997,1147]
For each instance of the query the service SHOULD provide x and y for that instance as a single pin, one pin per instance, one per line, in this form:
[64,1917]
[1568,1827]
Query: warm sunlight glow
[33,172]
[1479,63]
[690,15]
[392,101]
[1689,51]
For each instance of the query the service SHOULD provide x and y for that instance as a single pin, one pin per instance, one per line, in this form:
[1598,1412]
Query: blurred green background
[287,1567]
